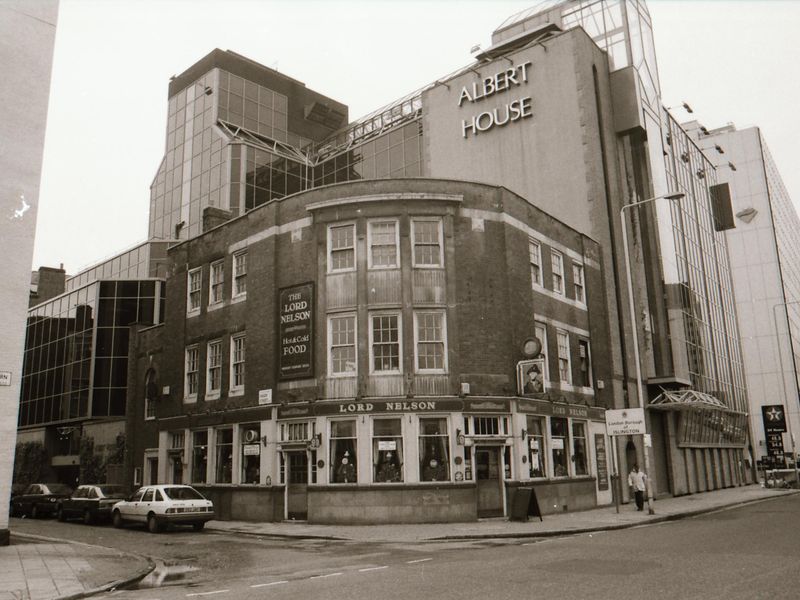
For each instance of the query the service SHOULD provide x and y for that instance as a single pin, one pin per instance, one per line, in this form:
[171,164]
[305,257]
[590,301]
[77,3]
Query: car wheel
[87,517]
[34,512]
[198,526]
[116,519]
[60,514]
[152,524]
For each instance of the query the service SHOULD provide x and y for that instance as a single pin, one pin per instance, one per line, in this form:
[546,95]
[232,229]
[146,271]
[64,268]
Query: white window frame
[538,327]
[534,247]
[239,277]
[236,389]
[331,318]
[582,341]
[579,283]
[216,268]
[557,267]
[443,315]
[370,225]
[194,308]
[372,316]
[331,227]
[572,462]
[187,395]
[212,393]
[398,439]
[564,334]
[438,221]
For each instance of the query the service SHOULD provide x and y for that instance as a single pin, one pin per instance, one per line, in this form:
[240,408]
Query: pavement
[39,568]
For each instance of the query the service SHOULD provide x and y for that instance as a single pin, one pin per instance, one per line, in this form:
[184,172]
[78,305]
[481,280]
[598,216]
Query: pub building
[371,362]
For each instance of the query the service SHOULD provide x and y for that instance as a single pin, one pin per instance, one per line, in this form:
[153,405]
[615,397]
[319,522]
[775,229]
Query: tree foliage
[31,462]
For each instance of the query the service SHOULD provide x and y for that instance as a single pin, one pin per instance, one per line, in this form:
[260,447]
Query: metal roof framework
[687,400]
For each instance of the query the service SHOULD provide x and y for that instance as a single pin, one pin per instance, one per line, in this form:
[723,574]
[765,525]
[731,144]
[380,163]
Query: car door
[30,497]
[71,506]
[145,505]
[129,509]
[91,501]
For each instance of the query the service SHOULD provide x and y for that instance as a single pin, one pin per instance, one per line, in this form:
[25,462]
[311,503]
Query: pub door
[489,478]
[296,466]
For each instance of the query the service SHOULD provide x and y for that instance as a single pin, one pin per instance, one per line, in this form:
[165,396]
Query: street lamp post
[783,380]
[635,331]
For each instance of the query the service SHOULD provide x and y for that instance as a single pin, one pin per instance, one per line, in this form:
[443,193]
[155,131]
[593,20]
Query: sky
[731,60]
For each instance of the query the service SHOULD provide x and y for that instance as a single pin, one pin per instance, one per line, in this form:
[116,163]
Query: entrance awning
[687,400]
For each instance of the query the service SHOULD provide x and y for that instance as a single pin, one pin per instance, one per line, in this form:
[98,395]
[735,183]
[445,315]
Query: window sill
[190,399]
[239,298]
[212,396]
[215,306]
[192,313]
[236,392]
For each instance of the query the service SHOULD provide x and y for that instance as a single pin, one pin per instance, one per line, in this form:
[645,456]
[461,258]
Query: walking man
[636,481]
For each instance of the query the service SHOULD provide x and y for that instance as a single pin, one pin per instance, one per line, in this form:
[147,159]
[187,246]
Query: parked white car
[160,505]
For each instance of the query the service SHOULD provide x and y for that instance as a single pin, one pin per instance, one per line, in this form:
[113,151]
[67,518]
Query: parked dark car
[91,503]
[40,499]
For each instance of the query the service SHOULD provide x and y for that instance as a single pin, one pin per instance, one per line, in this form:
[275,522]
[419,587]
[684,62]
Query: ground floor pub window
[344,466]
[536,450]
[224,455]
[434,450]
[558,439]
[250,439]
[579,447]
[199,456]
[387,450]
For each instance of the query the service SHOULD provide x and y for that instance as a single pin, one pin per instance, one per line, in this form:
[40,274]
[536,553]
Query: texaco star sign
[775,414]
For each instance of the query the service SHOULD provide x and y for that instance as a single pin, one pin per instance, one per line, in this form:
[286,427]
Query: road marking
[327,575]
[207,593]
[373,569]
[419,560]
[258,585]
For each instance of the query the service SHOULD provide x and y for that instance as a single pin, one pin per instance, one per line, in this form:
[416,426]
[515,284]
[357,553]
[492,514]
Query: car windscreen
[182,493]
[59,488]
[112,491]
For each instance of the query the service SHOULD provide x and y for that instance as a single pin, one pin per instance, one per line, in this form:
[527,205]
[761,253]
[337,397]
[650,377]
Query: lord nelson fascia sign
[296,331]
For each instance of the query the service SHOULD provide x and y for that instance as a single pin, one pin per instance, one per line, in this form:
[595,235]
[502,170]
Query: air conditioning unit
[250,436]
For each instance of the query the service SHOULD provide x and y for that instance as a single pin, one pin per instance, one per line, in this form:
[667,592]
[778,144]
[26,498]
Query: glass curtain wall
[61,333]
[58,357]
[703,275]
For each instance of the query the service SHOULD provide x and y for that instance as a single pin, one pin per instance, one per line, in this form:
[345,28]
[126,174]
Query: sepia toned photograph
[343,299]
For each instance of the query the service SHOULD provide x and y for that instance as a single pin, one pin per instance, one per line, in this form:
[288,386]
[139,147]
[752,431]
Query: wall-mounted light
[731,166]
[703,130]
[264,440]
[719,149]
[523,434]
[701,173]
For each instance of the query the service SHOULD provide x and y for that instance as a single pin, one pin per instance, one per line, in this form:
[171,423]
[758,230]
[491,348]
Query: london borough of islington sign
[500,83]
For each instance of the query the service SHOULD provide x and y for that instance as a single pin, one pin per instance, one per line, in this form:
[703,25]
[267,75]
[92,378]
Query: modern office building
[765,264]
[28,32]
[563,111]
[75,369]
